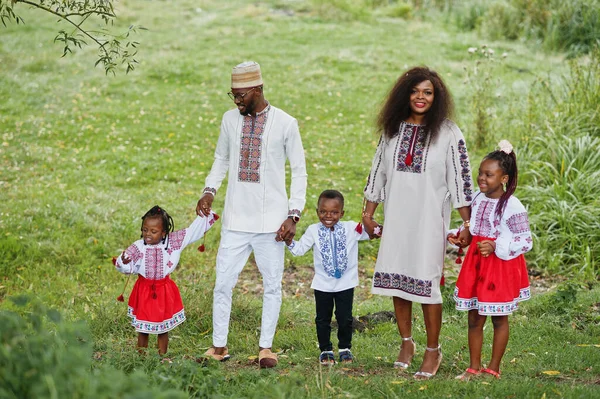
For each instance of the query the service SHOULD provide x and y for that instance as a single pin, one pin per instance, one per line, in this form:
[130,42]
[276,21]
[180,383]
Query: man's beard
[249,109]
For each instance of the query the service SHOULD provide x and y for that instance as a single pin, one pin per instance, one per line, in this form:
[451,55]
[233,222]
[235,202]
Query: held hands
[125,259]
[462,238]
[286,232]
[486,247]
[204,205]
[373,228]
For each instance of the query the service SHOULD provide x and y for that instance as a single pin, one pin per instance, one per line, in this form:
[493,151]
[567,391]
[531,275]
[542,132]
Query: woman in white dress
[420,169]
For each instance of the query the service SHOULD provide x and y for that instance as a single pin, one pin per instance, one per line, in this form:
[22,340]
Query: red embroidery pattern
[134,253]
[154,263]
[411,150]
[176,239]
[251,147]
[483,227]
[518,223]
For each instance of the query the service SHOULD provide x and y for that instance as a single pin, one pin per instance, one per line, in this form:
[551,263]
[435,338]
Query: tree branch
[64,16]
[76,13]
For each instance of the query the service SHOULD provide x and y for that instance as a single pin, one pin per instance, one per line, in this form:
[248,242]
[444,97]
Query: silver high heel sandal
[425,375]
[402,365]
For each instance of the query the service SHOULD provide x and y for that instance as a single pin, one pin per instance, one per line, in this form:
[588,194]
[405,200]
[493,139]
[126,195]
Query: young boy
[336,272]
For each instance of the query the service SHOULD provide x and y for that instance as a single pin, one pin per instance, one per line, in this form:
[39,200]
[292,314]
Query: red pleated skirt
[155,306]
[489,284]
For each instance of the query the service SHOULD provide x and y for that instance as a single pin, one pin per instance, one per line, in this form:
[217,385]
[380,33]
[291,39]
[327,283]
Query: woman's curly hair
[397,105]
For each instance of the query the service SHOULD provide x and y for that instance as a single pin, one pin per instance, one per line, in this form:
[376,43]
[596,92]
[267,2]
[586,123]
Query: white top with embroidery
[256,200]
[335,255]
[417,195]
[155,262]
[512,233]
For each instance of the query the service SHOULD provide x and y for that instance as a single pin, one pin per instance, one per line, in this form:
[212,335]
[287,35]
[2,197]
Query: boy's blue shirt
[335,254]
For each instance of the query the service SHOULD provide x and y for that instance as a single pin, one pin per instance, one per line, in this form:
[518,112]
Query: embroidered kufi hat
[246,75]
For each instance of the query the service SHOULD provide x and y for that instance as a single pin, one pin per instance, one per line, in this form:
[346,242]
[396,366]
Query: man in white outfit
[254,144]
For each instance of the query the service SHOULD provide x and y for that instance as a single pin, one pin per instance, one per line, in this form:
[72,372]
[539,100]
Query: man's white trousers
[234,250]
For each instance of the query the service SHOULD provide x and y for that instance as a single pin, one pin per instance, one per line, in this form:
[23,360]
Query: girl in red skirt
[493,278]
[155,305]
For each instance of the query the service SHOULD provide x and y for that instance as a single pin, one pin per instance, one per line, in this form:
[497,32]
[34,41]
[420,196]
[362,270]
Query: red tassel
[458,260]
[202,247]
[442,281]
[460,251]
[359,228]
[408,160]
[120,298]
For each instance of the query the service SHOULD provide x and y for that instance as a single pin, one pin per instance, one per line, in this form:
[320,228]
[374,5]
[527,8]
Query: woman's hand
[464,238]
[372,227]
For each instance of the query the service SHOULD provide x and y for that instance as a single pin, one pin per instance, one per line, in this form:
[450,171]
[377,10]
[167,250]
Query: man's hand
[204,205]
[125,259]
[287,231]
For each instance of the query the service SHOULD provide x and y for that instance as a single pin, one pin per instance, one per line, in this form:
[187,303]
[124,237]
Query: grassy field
[84,156]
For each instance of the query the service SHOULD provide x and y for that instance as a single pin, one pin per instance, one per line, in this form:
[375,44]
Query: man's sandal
[496,374]
[468,374]
[404,365]
[425,375]
[267,359]
[211,353]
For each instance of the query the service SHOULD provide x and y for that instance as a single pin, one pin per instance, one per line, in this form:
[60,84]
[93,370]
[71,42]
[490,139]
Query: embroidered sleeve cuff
[373,198]
[294,213]
[209,190]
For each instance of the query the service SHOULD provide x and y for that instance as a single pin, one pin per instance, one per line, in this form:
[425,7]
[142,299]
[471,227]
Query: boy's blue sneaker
[327,358]
[346,356]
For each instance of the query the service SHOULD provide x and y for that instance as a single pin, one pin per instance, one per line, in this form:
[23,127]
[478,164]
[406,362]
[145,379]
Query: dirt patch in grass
[298,278]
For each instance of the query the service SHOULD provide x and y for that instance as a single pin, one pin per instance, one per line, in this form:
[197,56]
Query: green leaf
[20,300]
[54,315]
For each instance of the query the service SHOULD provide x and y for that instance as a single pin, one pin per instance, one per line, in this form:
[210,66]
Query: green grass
[83,156]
